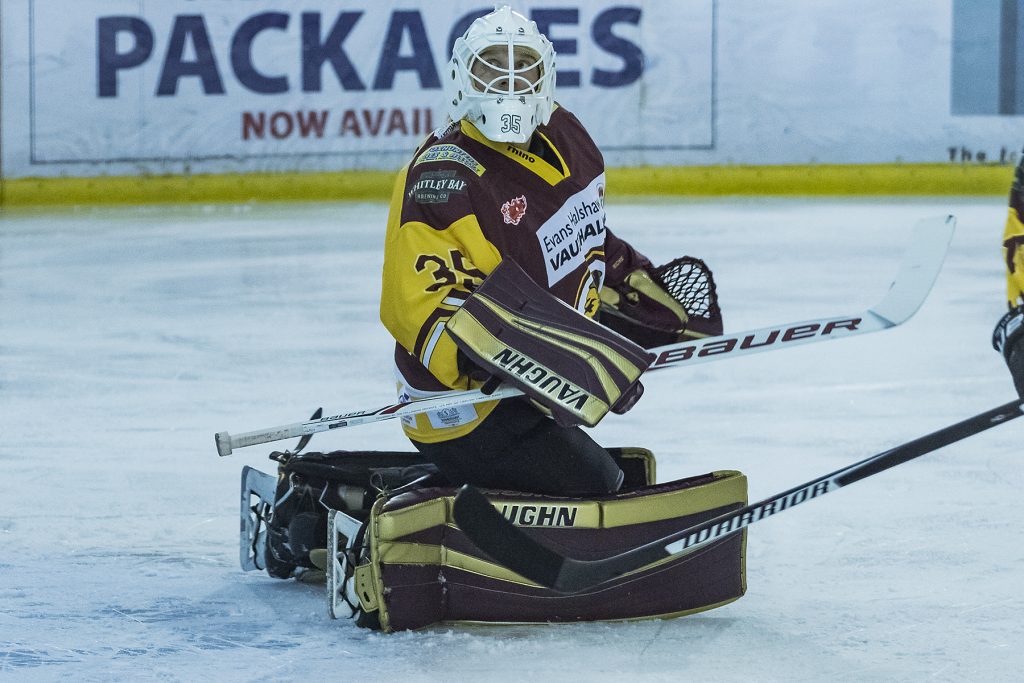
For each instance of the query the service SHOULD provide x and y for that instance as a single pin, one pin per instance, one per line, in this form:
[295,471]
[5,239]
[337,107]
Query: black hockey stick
[513,548]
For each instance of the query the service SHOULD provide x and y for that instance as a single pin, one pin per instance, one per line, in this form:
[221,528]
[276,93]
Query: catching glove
[668,304]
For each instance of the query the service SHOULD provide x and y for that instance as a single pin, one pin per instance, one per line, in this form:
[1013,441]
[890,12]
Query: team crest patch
[436,187]
[513,210]
[450,153]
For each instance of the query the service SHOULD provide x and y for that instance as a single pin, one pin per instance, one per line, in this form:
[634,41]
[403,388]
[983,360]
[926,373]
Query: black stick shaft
[500,539]
[755,512]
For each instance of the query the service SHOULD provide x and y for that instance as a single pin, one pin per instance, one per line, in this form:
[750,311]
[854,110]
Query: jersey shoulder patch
[447,151]
[438,175]
[447,148]
[436,186]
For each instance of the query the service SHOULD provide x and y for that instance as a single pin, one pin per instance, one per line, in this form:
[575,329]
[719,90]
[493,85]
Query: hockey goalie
[379,527]
[500,270]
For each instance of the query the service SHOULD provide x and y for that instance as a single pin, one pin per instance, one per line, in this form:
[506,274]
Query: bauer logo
[723,345]
[575,230]
[540,515]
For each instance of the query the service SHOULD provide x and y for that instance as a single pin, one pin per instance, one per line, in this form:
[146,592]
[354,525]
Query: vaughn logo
[513,210]
[545,381]
[572,232]
[540,515]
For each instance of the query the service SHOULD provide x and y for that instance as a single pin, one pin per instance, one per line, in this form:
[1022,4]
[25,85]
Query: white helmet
[509,91]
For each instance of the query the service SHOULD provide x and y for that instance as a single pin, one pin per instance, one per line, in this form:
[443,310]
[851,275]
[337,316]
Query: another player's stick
[528,557]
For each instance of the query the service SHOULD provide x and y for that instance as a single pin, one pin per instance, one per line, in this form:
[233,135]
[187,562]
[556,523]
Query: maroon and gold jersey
[462,205]
[1013,240]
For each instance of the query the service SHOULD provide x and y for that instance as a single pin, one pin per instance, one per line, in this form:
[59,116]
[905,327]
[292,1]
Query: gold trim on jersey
[415,303]
[547,172]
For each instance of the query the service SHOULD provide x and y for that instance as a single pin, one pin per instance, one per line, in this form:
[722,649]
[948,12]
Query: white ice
[128,337]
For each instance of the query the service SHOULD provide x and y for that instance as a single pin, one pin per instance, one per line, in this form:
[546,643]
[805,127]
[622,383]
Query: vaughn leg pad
[419,569]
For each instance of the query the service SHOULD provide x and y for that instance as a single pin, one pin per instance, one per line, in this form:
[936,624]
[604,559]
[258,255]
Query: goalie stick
[513,548]
[908,291]
[918,270]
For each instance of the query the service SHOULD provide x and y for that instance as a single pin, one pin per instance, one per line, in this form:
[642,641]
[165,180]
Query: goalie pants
[519,448]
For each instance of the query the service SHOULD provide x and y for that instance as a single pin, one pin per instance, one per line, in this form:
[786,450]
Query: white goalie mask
[501,77]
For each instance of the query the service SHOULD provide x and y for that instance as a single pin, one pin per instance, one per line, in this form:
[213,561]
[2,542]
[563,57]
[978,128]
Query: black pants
[518,448]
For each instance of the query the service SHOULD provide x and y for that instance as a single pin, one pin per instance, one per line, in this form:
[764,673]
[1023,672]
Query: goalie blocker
[517,331]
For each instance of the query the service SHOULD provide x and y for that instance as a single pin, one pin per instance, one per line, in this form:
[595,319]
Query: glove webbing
[688,280]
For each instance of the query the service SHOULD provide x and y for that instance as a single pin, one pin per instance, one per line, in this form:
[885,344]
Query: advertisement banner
[129,87]
[209,79]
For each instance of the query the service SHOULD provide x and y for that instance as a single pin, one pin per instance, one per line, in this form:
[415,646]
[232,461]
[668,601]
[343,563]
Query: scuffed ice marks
[121,633]
[119,523]
[106,611]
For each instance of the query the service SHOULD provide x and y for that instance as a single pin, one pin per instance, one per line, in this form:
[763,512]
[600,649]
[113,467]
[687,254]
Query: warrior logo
[513,210]
[510,123]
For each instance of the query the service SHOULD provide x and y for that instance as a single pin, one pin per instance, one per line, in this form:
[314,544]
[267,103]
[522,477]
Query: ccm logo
[751,341]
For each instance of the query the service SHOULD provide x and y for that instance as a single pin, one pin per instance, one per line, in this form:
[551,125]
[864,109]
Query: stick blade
[503,541]
[223,441]
[317,414]
[919,270]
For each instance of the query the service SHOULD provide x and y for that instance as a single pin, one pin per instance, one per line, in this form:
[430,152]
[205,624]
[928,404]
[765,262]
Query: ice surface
[128,337]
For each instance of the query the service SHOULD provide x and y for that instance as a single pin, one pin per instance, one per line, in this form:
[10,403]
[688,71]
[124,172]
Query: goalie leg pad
[421,570]
[514,328]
